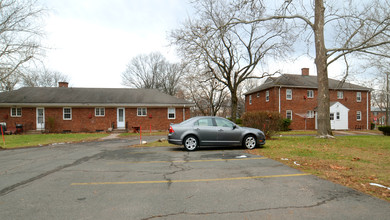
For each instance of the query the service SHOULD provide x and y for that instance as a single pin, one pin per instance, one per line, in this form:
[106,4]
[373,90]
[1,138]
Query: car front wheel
[250,142]
[190,143]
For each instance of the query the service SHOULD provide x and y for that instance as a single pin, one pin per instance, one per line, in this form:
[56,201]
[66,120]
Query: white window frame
[291,114]
[258,95]
[338,115]
[67,113]
[358,116]
[99,110]
[172,111]
[340,94]
[141,112]
[289,94]
[359,96]
[267,96]
[310,114]
[250,99]
[17,112]
[310,94]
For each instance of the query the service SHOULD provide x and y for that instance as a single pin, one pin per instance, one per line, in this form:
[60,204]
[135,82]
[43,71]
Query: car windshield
[190,120]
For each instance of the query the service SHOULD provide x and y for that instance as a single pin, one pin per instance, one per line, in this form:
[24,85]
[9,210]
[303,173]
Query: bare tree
[9,83]
[20,32]
[43,78]
[208,95]
[153,71]
[347,27]
[231,53]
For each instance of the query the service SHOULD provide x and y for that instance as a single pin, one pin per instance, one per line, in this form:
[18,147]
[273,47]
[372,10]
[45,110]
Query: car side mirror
[234,127]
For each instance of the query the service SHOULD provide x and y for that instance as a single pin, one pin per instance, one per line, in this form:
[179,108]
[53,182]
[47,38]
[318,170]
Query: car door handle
[220,130]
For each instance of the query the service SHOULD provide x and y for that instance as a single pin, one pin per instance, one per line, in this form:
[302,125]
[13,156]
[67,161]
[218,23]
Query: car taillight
[171,130]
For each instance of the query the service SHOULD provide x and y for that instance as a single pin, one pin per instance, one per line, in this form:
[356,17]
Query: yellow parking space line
[190,181]
[185,161]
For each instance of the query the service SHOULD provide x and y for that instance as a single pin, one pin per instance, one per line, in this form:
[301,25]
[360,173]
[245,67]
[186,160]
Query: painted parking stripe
[185,161]
[190,181]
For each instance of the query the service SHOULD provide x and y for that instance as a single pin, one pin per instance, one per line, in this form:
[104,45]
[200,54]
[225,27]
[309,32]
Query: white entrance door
[40,119]
[332,121]
[121,118]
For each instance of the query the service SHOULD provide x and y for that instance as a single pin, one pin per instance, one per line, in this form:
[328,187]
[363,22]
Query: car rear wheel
[191,143]
[250,142]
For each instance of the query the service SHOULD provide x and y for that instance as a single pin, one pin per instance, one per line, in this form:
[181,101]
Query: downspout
[279,99]
[184,113]
[367,111]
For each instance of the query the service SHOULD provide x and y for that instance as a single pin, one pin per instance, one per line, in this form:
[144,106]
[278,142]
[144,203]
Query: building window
[289,114]
[337,115]
[99,112]
[358,96]
[141,111]
[375,113]
[267,95]
[310,94]
[16,112]
[358,115]
[340,95]
[310,114]
[171,113]
[288,94]
[250,100]
[258,95]
[331,116]
[67,113]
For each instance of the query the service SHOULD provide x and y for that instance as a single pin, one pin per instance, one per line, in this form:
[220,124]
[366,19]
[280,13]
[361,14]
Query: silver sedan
[213,131]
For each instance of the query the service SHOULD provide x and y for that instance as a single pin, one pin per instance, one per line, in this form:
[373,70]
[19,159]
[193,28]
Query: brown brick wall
[300,104]
[84,119]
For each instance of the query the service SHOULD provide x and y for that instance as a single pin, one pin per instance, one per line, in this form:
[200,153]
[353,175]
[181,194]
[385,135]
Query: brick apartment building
[378,116]
[66,109]
[296,97]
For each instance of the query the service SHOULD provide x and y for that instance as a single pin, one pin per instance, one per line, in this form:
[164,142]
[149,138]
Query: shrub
[51,124]
[268,122]
[372,126]
[385,130]
[286,122]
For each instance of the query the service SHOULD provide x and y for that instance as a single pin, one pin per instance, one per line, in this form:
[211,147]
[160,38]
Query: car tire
[249,142]
[190,143]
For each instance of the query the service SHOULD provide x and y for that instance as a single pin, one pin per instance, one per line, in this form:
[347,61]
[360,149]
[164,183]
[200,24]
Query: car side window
[223,123]
[204,122]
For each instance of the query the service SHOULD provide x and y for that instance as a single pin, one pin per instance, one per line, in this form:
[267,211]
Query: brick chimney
[63,84]
[305,71]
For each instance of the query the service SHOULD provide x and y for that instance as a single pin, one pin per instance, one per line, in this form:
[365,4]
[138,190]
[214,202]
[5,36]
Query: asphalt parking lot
[110,180]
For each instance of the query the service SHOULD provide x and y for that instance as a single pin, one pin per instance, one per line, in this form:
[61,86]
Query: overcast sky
[92,41]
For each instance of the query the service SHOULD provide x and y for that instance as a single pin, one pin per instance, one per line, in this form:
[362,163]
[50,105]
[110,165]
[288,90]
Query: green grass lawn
[17,141]
[353,161]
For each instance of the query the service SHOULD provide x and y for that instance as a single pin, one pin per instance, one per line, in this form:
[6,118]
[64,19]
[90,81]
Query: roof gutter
[94,105]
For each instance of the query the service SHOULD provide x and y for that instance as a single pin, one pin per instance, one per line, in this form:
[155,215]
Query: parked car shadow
[210,148]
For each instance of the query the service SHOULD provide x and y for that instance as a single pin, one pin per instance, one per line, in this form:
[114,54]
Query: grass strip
[353,161]
[18,141]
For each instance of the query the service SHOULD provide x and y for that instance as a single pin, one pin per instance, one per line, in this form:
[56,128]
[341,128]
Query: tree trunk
[323,114]
[234,102]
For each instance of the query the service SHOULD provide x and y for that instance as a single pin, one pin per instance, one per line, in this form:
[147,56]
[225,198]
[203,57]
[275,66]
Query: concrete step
[119,131]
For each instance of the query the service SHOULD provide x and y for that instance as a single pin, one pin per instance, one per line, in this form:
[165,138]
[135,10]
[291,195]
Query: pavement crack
[179,168]
[13,187]
[241,212]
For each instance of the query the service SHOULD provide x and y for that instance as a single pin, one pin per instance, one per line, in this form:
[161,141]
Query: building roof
[64,96]
[301,81]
